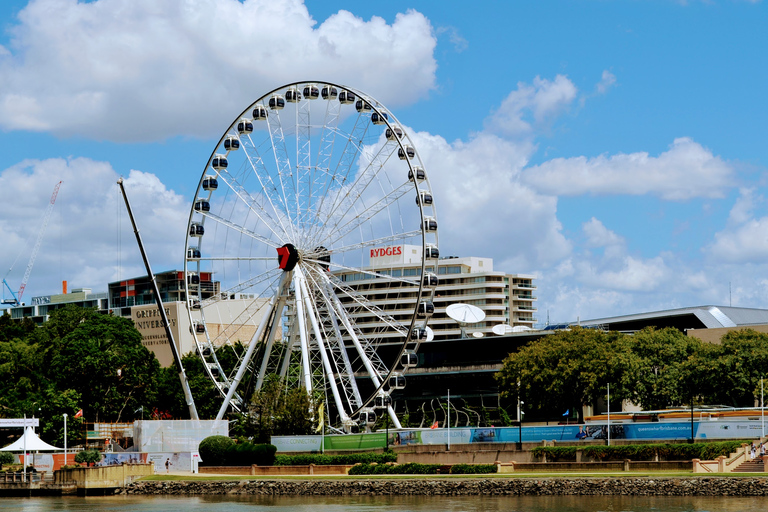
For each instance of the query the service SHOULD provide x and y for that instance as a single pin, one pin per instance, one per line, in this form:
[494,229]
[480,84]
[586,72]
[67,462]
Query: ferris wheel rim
[289,233]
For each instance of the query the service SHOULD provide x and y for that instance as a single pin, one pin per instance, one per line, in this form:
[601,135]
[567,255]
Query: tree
[567,370]
[5,458]
[278,410]
[100,357]
[657,370]
[88,457]
[742,359]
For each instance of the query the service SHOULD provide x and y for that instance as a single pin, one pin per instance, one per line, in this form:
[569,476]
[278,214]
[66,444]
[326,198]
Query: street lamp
[65,439]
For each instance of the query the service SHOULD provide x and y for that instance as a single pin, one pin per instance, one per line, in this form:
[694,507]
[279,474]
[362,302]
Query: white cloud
[89,240]
[483,210]
[531,105]
[607,80]
[600,236]
[685,171]
[454,36]
[141,70]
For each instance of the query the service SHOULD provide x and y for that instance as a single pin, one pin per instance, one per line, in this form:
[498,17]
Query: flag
[435,425]
[566,413]
[320,418]
[79,414]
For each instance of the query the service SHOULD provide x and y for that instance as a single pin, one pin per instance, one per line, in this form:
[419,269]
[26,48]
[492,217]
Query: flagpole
[609,414]
[25,447]
[449,420]
[65,439]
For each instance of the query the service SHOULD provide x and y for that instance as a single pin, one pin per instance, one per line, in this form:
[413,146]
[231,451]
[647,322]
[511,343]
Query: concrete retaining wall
[101,477]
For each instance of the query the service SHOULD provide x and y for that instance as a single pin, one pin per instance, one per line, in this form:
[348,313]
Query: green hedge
[703,451]
[327,460]
[410,468]
[473,469]
[413,468]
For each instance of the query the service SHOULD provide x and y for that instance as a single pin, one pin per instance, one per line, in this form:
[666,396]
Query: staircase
[750,466]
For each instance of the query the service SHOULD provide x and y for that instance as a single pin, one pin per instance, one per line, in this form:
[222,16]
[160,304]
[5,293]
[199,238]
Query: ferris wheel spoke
[228,223]
[270,276]
[318,173]
[285,174]
[267,186]
[365,303]
[345,172]
[256,206]
[253,205]
[347,200]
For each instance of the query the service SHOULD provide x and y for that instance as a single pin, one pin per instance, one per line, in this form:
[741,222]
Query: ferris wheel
[295,251]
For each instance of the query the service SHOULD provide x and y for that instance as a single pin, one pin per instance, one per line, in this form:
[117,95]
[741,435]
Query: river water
[390,504]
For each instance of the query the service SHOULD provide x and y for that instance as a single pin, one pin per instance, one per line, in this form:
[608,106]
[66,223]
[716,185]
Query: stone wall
[650,486]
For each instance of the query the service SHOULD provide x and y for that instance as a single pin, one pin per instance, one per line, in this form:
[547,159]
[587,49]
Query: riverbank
[594,486]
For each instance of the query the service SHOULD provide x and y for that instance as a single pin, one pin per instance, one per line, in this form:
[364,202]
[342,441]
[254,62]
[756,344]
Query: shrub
[324,460]
[704,451]
[213,450]
[246,453]
[5,458]
[409,468]
[88,457]
[473,469]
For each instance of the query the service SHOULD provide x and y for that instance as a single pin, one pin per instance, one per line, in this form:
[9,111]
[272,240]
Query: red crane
[17,298]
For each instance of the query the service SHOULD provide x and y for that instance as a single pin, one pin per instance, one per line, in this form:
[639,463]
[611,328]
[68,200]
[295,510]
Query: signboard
[149,323]
[19,422]
[284,444]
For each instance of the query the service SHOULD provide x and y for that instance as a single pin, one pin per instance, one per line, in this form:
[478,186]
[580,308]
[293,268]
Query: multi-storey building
[505,298]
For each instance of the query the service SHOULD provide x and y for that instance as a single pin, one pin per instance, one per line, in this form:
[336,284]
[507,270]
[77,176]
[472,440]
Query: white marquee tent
[32,444]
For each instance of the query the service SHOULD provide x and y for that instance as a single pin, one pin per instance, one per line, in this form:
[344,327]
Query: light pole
[65,439]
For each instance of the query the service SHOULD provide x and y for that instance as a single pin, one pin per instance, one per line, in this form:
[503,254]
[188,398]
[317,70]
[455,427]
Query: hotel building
[505,298]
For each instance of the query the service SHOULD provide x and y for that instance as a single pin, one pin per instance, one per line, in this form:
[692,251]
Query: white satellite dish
[502,329]
[521,328]
[430,334]
[465,314]
[477,334]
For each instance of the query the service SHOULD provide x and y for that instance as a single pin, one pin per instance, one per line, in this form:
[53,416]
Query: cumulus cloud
[530,106]
[685,171]
[607,81]
[483,209]
[600,236]
[89,240]
[141,70]
[745,237]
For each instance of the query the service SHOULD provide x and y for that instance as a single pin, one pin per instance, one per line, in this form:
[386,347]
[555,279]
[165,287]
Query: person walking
[168,464]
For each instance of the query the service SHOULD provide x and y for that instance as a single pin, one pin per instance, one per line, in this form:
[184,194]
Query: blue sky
[615,149]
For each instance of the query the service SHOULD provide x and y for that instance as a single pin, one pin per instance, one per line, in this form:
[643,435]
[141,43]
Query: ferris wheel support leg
[249,353]
[323,354]
[301,319]
[393,417]
[270,343]
[340,312]
[343,352]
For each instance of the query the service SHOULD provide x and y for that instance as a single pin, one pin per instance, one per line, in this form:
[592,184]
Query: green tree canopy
[657,368]
[567,370]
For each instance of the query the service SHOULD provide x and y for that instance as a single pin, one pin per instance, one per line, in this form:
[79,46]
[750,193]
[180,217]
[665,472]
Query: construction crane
[16,297]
